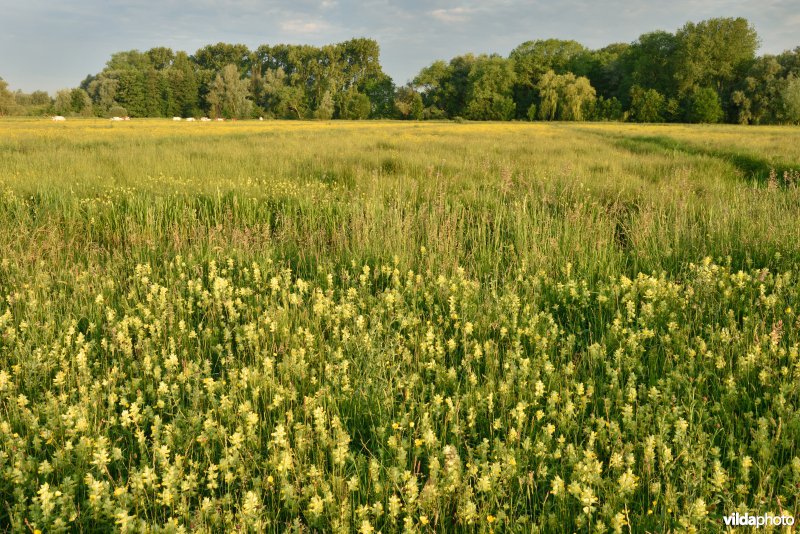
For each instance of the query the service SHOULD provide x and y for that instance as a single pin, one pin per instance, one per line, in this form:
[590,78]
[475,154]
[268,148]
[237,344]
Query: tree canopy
[705,71]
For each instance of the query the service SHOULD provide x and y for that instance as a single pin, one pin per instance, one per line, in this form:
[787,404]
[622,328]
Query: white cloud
[304,27]
[452,15]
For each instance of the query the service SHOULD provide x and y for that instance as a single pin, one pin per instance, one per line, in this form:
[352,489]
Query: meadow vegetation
[397,327]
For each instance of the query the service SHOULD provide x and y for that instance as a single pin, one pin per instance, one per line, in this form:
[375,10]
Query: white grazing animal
[116,118]
[176,118]
[190,119]
[59,118]
[204,119]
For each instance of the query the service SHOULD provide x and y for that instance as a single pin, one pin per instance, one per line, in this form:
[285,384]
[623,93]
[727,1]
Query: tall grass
[396,326]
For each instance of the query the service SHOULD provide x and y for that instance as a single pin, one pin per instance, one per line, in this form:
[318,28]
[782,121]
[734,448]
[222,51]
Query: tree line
[704,72]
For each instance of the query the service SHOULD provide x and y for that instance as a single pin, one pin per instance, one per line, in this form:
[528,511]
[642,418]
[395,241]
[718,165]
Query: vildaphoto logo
[747,520]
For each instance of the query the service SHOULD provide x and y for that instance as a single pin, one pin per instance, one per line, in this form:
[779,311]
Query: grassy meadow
[397,326]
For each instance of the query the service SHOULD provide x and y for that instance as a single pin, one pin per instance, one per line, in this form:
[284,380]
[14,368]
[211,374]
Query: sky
[52,45]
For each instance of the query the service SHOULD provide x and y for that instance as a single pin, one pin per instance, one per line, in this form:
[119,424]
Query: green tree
[103,91]
[608,109]
[354,105]
[577,97]
[756,98]
[790,98]
[652,61]
[714,53]
[228,94]
[63,102]
[490,89]
[217,56]
[430,83]
[647,105]
[280,99]
[705,106]
[161,58]
[408,103]
[80,102]
[182,82]
[533,59]
[444,87]
[608,71]
[379,88]
[565,97]
[7,101]
[531,115]
[548,88]
[326,107]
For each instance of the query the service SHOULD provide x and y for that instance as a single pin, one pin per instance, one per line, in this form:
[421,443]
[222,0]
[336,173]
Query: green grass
[400,326]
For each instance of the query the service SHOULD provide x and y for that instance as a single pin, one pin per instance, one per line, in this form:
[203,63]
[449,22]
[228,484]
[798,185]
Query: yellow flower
[423,520]
[490,519]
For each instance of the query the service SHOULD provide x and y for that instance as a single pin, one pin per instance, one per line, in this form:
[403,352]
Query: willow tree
[227,95]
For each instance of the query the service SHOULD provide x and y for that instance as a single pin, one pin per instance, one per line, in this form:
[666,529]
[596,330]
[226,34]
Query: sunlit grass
[396,326]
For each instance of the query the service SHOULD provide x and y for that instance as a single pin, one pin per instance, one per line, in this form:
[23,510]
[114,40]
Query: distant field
[397,326]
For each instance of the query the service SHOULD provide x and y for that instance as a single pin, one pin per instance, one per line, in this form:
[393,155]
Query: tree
[379,89]
[80,102]
[647,105]
[444,86]
[182,83]
[756,97]
[281,100]
[548,88]
[7,101]
[533,59]
[430,84]
[161,57]
[608,71]
[714,53]
[326,107]
[354,105]
[63,103]
[577,96]
[217,56]
[565,97]
[490,89]
[228,94]
[652,61]
[704,106]
[531,115]
[103,91]
[408,103]
[608,109]
[791,101]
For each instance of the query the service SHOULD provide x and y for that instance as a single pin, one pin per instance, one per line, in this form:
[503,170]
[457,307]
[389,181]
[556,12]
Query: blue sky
[52,45]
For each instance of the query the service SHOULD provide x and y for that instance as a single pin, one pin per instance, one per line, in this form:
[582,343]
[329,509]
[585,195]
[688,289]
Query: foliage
[564,97]
[489,89]
[303,81]
[408,103]
[7,102]
[713,52]
[228,94]
[354,105]
[791,101]
[647,105]
[705,106]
